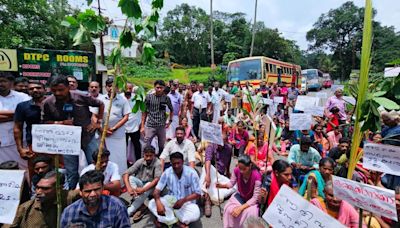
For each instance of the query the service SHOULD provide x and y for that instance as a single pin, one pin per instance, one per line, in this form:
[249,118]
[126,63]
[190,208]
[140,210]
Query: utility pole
[212,35]
[101,37]
[254,30]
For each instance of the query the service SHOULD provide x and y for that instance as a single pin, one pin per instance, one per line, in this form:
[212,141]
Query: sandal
[139,214]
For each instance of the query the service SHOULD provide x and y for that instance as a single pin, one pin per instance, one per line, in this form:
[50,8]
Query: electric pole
[212,35]
[101,38]
[254,30]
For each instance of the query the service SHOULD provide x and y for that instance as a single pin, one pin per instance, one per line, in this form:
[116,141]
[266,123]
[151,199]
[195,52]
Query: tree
[34,23]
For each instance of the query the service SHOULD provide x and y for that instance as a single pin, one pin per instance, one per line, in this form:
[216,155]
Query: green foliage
[126,38]
[148,53]
[229,56]
[130,8]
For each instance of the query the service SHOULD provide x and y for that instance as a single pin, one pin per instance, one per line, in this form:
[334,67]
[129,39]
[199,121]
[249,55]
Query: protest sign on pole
[382,158]
[211,132]
[289,209]
[10,191]
[56,139]
[300,121]
[377,200]
[305,102]
[315,111]
[278,99]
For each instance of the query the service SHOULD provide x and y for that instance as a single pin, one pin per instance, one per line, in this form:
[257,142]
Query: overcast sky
[293,18]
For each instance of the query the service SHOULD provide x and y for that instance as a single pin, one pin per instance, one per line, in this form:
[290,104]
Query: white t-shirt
[110,174]
[186,148]
[120,107]
[201,100]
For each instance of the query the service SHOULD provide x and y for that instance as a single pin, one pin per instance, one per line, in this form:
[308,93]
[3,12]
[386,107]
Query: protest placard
[289,209]
[315,111]
[278,99]
[350,100]
[270,128]
[383,158]
[300,121]
[211,132]
[305,102]
[321,95]
[56,139]
[267,101]
[392,72]
[371,198]
[10,188]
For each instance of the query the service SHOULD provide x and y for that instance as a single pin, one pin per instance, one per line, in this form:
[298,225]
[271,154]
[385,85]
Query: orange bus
[260,68]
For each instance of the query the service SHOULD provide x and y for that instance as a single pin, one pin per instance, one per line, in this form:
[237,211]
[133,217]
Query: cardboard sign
[211,132]
[392,72]
[289,209]
[300,121]
[305,102]
[383,158]
[350,100]
[56,139]
[315,111]
[278,99]
[371,198]
[10,189]
[321,95]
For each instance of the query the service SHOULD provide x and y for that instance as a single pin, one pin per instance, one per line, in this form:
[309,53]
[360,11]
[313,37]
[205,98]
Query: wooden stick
[360,219]
[58,191]
[219,202]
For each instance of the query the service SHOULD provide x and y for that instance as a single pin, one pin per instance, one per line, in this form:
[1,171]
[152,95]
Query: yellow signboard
[8,60]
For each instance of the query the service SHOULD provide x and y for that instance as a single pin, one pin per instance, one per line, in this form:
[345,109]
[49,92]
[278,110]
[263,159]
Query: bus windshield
[244,70]
[310,74]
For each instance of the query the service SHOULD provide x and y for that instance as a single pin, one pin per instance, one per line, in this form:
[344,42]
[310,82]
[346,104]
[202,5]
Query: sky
[293,18]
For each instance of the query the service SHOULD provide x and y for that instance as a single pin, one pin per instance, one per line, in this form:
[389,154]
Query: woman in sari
[321,139]
[244,203]
[318,178]
[337,208]
[259,156]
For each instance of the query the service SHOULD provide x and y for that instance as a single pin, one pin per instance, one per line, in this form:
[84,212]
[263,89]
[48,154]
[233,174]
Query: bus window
[266,68]
[274,69]
[244,70]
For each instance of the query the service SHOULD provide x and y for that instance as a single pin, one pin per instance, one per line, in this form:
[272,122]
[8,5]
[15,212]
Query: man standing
[140,180]
[9,99]
[337,101]
[42,210]
[176,101]
[95,209]
[115,137]
[181,145]
[179,204]
[29,113]
[155,117]
[201,102]
[21,85]
[218,95]
[73,82]
[94,89]
[72,108]
[132,130]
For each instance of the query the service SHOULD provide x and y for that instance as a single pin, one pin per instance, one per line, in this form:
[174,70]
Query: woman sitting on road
[259,156]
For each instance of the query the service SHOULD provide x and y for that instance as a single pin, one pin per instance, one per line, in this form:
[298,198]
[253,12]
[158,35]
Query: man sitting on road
[179,204]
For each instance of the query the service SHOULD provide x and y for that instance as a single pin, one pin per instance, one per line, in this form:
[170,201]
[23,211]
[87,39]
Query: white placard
[267,101]
[211,132]
[371,198]
[10,191]
[392,72]
[383,158]
[321,95]
[289,209]
[350,100]
[300,121]
[278,99]
[315,111]
[305,102]
[56,139]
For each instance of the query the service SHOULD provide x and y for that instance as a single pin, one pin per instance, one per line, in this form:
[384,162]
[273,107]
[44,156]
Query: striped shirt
[180,188]
[156,107]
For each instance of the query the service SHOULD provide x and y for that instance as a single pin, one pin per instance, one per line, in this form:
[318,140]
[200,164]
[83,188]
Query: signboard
[305,102]
[321,95]
[300,121]
[42,64]
[8,60]
[289,209]
[315,111]
[383,158]
[10,191]
[56,139]
[371,198]
[211,132]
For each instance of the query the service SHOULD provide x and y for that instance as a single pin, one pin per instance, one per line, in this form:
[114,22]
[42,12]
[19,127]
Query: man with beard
[140,180]
[42,210]
[95,209]
[21,85]
[179,205]
[343,147]
[9,99]
[181,145]
[29,113]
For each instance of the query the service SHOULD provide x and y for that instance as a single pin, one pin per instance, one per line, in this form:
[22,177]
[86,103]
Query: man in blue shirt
[95,209]
[183,190]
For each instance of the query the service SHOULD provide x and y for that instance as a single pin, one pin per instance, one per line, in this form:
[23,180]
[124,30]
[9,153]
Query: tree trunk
[254,30]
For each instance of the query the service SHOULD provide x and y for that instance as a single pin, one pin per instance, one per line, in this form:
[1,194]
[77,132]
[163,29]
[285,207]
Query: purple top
[222,154]
[338,102]
[241,139]
[176,101]
[249,190]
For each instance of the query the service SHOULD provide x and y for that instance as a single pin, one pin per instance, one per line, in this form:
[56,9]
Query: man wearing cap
[337,101]
[9,99]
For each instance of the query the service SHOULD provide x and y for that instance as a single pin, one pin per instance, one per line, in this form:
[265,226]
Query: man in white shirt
[112,179]
[201,102]
[176,101]
[218,94]
[179,144]
[9,99]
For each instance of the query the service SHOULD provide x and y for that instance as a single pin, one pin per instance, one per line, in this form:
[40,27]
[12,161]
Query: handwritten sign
[278,99]
[383,158]
[289,209]
[371,198]
[300,121]
[10,188]
[56,139]
[350,100]
[315,111]
[321,95]
[305,102]
[211,132]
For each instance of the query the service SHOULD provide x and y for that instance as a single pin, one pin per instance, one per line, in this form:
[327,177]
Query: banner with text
[56,139]
[377,200]
[10,191]
[211,132]
[383,158]
[300,121]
